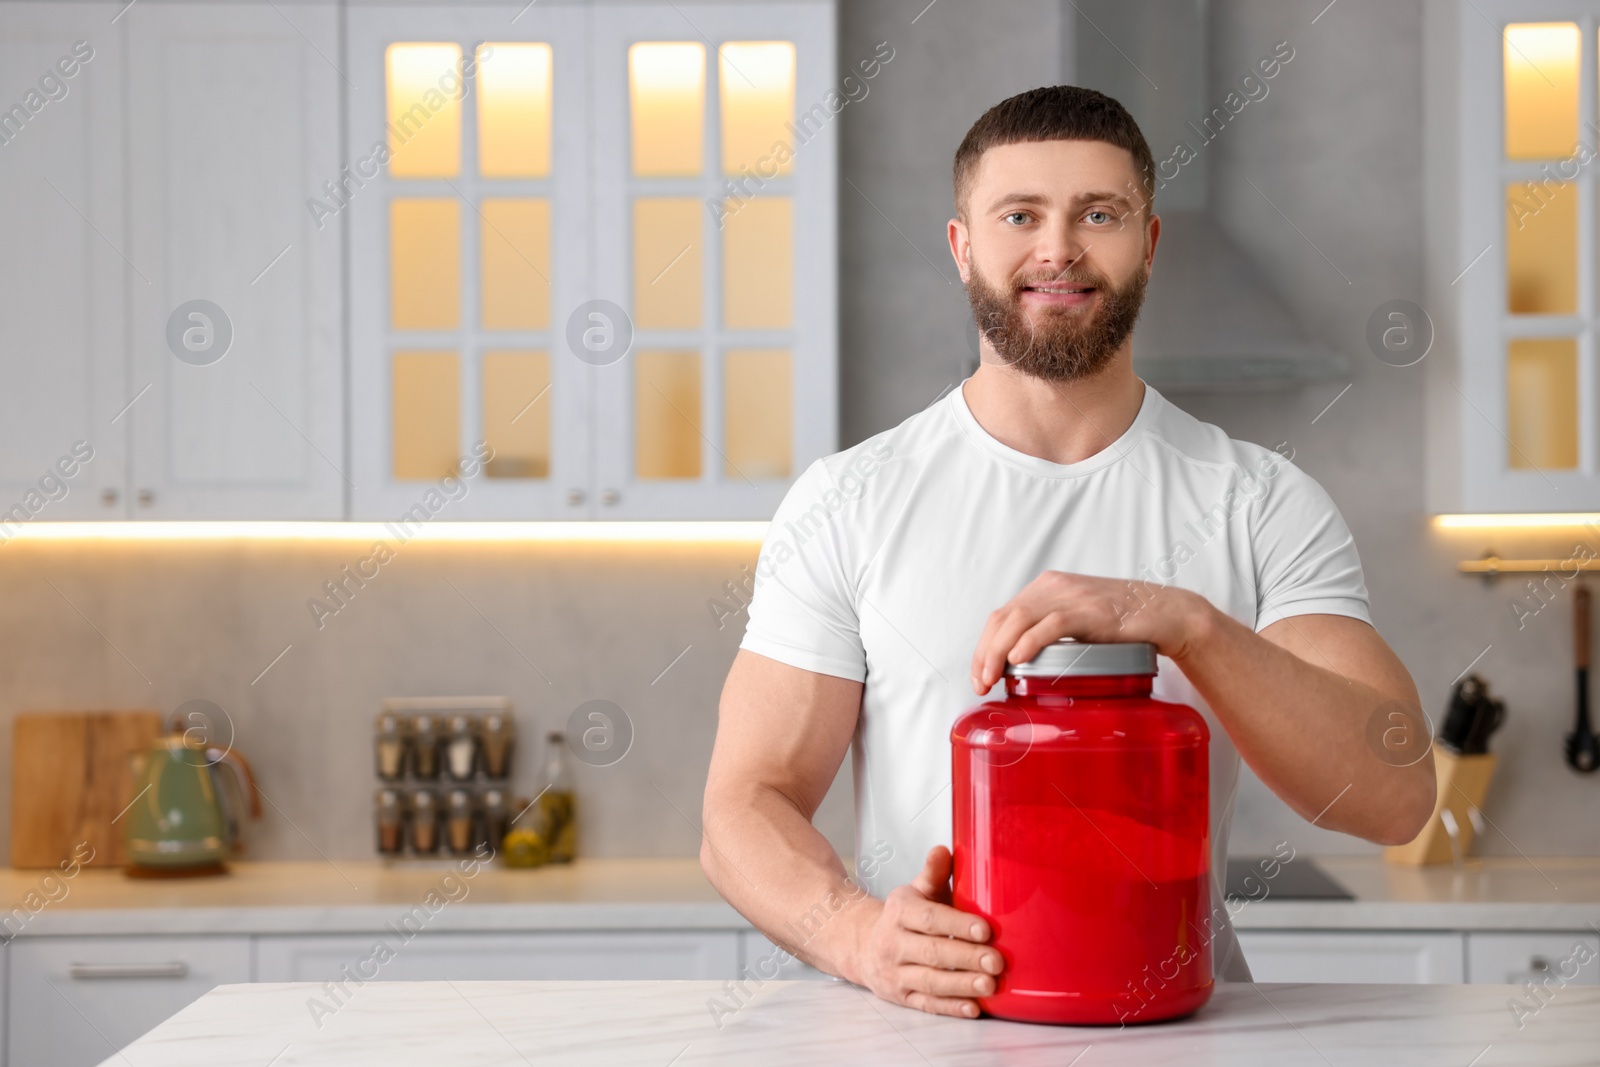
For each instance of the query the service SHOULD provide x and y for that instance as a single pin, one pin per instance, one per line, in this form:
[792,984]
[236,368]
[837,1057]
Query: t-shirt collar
[1108,455]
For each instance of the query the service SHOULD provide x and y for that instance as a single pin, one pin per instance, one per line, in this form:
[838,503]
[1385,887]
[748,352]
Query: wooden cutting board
[70,779]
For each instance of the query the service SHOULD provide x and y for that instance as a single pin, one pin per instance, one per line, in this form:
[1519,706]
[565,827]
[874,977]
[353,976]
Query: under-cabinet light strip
[1515,521]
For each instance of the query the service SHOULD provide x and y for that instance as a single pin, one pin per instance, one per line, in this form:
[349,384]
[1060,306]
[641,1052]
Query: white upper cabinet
[715,234]
[236,303]
[1510,161]
[587,248]
[469,212]
[63,375]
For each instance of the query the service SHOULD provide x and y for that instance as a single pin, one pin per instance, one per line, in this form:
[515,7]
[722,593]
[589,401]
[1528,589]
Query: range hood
[1212,321]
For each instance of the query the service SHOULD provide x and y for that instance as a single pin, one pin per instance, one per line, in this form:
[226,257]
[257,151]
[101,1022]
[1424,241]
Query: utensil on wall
[70,782]
[1583,750]
[179,822]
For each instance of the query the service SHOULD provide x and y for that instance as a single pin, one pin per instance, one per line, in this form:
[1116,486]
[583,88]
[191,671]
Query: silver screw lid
[1071,657]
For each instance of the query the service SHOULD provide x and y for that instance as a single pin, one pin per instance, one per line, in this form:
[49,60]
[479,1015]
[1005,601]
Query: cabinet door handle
[127,970]
[147,497]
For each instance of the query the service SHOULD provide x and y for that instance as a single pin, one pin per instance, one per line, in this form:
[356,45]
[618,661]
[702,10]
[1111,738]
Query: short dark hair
[1053,113]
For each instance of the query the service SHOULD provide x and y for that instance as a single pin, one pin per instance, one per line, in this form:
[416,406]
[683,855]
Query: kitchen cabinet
[236,290]
[75,1001]
[1551,960]
[759,958]
[592,246]
[63,373]
[1509,141]
[171,166]
[1315,956]
[495,956]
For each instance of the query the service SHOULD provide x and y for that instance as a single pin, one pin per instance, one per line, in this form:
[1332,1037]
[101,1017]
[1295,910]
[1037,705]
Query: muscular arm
[782,733]
[1318,705]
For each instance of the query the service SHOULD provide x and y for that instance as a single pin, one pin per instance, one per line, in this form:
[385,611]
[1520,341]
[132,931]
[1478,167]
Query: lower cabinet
[1549,960]
[75,1002]
[760,959]
[471,957]
[1337,956]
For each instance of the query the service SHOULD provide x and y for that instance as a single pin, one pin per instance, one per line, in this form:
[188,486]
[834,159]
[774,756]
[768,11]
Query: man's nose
[1059,247]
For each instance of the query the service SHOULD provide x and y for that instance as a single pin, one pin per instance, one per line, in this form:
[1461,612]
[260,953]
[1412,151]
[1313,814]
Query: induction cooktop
[1297,879]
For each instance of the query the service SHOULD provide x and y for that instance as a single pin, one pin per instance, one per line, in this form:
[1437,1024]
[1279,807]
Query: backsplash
[550,626]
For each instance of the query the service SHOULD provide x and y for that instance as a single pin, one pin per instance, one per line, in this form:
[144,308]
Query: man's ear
[960,247]
[1153,229]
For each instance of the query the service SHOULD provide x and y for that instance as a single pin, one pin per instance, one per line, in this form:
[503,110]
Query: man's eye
[1098,217]
[1017,217]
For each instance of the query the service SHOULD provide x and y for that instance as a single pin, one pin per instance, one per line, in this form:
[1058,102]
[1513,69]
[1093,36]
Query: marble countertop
[396,1024]
[1541,893]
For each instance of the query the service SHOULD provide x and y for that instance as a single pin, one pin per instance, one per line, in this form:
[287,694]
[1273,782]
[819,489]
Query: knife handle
[1580,627]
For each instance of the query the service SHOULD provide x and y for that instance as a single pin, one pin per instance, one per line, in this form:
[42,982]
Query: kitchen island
[396,1024]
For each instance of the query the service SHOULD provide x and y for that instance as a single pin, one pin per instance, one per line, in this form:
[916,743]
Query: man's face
[1055,251]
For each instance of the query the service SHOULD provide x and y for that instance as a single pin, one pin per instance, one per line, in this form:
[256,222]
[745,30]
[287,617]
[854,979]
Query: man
[1054,494]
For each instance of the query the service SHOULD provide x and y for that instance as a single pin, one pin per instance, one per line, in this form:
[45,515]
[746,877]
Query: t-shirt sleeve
[1305,556]
[803,610]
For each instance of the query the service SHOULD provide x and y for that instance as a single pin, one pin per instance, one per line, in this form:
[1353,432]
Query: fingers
[962,1009]
[942,983]
[923,916]
[1047,631]
[933,950]
[933,881]
[1000,637]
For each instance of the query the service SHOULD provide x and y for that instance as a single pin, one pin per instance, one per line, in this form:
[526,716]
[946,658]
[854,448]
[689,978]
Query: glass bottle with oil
[557,802]
[545,830]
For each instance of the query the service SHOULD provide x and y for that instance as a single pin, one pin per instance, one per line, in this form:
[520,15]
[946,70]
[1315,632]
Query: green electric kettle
[180,821]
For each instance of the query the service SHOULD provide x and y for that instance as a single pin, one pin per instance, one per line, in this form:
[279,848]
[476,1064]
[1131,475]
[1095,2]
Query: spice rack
[444,768]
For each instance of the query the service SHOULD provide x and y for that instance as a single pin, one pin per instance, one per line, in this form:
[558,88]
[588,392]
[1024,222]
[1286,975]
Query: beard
[1065,343]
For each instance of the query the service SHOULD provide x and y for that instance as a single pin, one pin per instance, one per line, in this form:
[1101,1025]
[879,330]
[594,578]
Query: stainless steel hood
[1212,321]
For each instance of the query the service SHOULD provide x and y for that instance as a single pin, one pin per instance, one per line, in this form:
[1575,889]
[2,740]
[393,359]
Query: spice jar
[1082,834]
[461,747]
[424,821]
[425,746]
[391,746]
[391,822]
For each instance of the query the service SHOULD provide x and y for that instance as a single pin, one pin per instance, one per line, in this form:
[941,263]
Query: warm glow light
[424,110]
[757,90]
[667,93]
[568,532]
[1549,519]
[514,82]
[1541,89]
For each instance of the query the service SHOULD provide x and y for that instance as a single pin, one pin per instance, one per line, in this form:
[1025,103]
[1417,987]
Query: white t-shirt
[884,561]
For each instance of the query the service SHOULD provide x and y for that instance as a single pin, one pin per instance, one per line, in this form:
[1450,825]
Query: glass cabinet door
[714,220]
[468,214]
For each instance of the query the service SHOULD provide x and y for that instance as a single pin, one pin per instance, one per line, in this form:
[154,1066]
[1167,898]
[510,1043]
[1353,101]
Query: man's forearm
[767,860]
[1306,729]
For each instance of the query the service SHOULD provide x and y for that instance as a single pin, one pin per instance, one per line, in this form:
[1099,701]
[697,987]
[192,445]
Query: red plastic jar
[1082,834]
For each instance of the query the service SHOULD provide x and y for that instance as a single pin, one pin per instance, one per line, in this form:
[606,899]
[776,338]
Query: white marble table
[670,1024]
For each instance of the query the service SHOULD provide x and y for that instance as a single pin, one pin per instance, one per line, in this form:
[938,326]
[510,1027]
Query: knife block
[1462,783]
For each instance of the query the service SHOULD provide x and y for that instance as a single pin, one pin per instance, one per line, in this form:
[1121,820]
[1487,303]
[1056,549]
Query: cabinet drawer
[75,1001]
[491,956]
[1553,959]
[1408,958]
